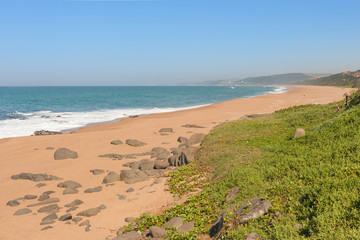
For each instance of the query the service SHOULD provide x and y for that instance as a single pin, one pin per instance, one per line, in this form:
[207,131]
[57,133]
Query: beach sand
[29,154]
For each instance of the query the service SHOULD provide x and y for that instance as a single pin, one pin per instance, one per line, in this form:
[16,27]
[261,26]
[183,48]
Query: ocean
[24,110]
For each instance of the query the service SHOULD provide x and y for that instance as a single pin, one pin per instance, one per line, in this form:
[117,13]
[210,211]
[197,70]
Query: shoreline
[31,154]
[48,121]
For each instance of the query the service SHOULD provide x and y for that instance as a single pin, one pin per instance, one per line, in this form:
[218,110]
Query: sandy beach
[35,154]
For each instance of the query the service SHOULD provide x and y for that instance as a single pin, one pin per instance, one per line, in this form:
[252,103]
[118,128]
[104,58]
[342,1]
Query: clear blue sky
[64,42]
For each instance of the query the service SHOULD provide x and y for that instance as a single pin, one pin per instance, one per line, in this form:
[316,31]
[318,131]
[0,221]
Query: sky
[165,42]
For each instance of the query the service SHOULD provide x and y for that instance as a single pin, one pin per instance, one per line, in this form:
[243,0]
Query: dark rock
[135,143]
[133,235]
[175,222]
[159,164]
[116,142]
[97,171]
[53,208]
[12,203]
[182,139]
[130,190]
[64,153]
[70,190]
[154,172]
[111,177]
[29,197]
[146,165]
[299,132]
[157,232]
[187,155]
[121,197]
[132,176]
[35,177]
[65,217]
[187,227]
[87,229]
[50,217]
[44,132]
[231,195]
[253,236]
[196,138]
[159,153]
[112,155]
[46,228]
[192,126]
[48,201]
[69,184]
[129,219]
[166,130]
[47,222]
[74,203]
[166,143]
[48,192]
[77,219]
[183,145]
[43,197]
[71,209]
[136,165]
[39,185]
[253,209]
[175,151]
[134,155]
[85,223]
[49,148]
[95,189]
[217,226]
[127,164]
[91,211]
[22,211]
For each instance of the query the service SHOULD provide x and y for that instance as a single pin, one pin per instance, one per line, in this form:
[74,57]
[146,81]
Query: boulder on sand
[135,143]
[64,153]
[159,153]
[132,176]
[196,138]
[111,177]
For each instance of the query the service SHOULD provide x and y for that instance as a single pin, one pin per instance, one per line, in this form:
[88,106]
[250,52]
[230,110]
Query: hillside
[311,182]
[278,79]
[348,79]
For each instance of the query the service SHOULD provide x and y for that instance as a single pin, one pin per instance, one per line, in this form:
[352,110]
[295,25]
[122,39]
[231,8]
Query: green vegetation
[340,79]
[313,182]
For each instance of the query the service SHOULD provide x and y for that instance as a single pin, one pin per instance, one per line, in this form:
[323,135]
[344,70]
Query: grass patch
[313,182]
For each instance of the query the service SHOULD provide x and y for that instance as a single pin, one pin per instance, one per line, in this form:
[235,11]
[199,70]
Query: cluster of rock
[156,232]
[45,132]
[252,209]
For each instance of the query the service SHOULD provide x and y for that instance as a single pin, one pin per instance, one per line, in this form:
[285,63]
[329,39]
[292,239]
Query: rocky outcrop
[196,138]
[91,211]
[166,130]
[132,176]
[116,142]
[45,132]
[69,184]
[35,177]
[192,126]
[64,153]
[182,156]
[135,143]
[253,209]
[159,153]
[111,177]
[112,155]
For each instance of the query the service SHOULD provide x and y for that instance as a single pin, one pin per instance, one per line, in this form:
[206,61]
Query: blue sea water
[24,110]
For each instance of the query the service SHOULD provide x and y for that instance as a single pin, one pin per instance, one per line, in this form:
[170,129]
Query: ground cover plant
[312,182]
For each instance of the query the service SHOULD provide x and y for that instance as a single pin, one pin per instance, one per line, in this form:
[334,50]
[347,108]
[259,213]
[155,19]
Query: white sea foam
[279,90]
[59,121]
